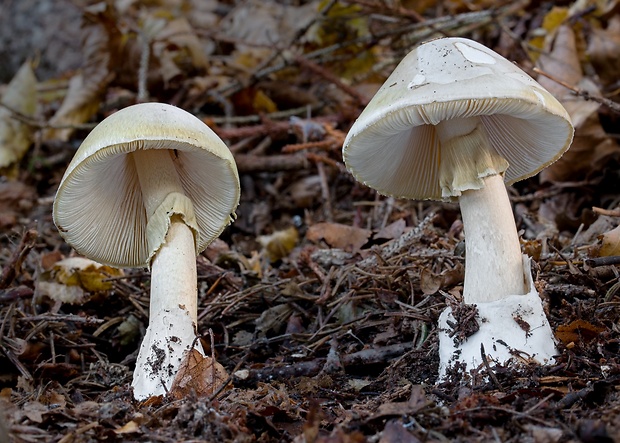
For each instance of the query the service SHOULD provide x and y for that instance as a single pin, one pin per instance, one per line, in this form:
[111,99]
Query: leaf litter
[318,306]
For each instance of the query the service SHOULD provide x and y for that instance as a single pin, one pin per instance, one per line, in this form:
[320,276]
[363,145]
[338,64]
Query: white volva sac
[151,186]
[456,121]
[513,329]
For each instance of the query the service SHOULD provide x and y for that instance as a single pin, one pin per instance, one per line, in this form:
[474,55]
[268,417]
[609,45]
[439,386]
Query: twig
[607,212]
[270,163]
[581,92]
[313,367]
[143,70]
[395,246]
[490,371]
[63,317]
[397,11]
[325,192]
[603,261]
[332,78]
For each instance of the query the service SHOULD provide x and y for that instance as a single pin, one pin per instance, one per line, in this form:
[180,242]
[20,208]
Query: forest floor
[321,300]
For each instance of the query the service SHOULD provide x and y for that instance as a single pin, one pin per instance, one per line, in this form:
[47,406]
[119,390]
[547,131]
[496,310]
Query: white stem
[158,177]
[493,263]
[471,169]
[173,303]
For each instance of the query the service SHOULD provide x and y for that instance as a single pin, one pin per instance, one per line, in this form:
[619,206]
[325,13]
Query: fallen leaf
[417,401]
[16,198]
[34,411]
[128,428]
[279,244]
[395,432]
[69,278]
[87,87]
[20,96]
[336,235]
[273,319]
[610,243]
[604,51]
[198,375]
[392,231]
[591,144]
[430,282]
[578,331]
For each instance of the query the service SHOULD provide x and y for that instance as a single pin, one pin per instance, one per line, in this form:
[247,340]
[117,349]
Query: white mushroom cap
[393,146]
[99,207]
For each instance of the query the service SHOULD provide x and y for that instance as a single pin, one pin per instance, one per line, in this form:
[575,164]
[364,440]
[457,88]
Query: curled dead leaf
[20,96]
[198,375]
[578,331]
[70,278]
[336,235]
[610,243]
[279,244]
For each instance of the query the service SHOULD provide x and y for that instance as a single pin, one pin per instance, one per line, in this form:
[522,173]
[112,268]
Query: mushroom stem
[173,302]
[472,170]
[493,261]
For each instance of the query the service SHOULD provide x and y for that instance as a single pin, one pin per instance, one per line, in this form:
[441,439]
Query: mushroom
[454,121]
[151,186]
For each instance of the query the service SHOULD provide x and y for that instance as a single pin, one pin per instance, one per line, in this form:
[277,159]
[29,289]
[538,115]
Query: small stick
[581,93]
[607,212]
[272,163]
[603,261]
[332,78]
[489,370]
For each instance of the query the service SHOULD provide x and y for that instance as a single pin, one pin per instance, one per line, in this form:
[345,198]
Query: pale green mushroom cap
[99,209]
[393,146]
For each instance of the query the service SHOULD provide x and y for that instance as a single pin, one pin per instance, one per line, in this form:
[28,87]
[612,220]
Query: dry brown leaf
[562,62]
[198,375]
[430,282]
[339,236]
[15,198]
[175,46]
[128,428]
[34,410]
[417,401]
[610,243]
[591,144]
[392,231]
[588,154]
[266,26]
[20,96]
[395,432]
[578,331]
[604,51]
[305,191]
[87,87]
[273,319]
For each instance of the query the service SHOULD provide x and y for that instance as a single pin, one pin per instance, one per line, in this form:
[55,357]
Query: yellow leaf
[20,96]
[262,103]
[90,275]
[551,22]
[554,18]
[279,244]
[68,279]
